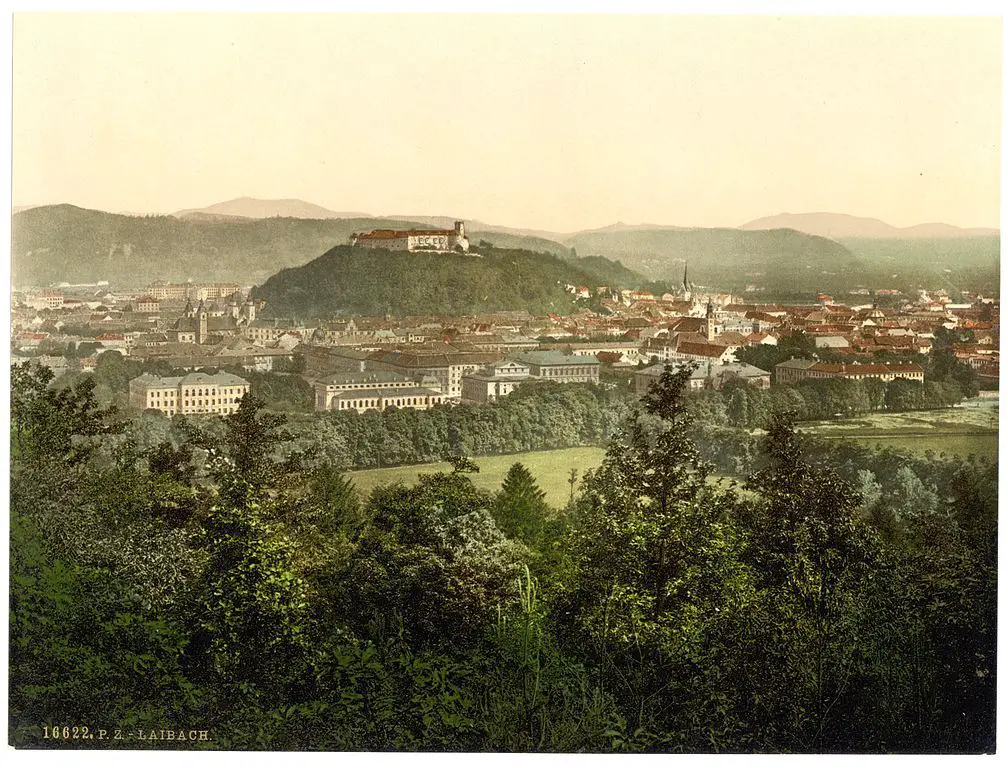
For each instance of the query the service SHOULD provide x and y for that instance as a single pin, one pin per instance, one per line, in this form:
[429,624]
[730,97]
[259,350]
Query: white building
[435,240]
[195,393]
[377,391]
[495,381]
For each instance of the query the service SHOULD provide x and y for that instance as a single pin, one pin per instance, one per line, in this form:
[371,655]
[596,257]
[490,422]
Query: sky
[554,122]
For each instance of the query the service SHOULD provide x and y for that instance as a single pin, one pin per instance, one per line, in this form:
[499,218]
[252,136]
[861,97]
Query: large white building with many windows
[375,391]
[195,393]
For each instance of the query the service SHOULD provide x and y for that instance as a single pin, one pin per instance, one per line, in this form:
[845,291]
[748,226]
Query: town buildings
[377,391]
[489,384]
[561,368]
[161,290]
[707,376]
[444,362]
[794,371]
[192,394]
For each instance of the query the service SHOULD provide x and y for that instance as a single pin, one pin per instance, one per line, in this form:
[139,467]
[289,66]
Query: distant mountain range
[253,208]
[823,224]
[248,240]
[840,225]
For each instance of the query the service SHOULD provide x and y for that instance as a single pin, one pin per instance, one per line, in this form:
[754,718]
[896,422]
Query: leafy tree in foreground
[654,568]
[813,560]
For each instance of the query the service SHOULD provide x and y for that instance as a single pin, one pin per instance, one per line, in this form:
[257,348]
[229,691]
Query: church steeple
[709,319]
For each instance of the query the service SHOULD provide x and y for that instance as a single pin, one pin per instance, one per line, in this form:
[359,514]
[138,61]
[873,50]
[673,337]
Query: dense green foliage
[199,573]
[363,281]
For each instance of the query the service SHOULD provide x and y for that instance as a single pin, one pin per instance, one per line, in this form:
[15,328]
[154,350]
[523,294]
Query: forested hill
[952,263]
[779,259]
[63,243]
[357,281]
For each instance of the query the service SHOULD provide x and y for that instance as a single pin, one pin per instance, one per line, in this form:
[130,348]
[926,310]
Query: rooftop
[219,379]
[376,377]
[385,393]
[550,357]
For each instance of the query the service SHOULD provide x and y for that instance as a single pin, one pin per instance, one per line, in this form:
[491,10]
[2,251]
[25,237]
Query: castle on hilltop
[429,240]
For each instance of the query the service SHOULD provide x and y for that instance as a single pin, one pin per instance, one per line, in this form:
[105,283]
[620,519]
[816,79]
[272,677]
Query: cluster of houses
[364,363]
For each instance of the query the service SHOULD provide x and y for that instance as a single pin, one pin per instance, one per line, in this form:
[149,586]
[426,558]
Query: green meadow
[550,468]
[972,429]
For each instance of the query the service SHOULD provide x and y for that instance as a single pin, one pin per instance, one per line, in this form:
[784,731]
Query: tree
[83,648]
[520,508]
[250,441]
[653,565]
[52,424]
[253,613]
[813,557]
[430,563]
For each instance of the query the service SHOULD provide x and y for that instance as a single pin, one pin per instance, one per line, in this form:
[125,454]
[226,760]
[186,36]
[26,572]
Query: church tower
[201,330]
[709,320]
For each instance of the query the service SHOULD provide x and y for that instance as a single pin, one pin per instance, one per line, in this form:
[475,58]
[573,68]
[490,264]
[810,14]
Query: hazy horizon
[559,123]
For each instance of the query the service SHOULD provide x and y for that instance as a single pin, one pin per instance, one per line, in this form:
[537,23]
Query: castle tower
[233,308]
[250,310]
[458,240]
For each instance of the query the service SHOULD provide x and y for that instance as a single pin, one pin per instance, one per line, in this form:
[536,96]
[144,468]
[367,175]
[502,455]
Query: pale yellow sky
[554,122]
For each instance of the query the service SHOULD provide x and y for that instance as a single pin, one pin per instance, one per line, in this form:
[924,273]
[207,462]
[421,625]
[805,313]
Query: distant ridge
[842,225]
[254,208]
[621,227]
[481,226]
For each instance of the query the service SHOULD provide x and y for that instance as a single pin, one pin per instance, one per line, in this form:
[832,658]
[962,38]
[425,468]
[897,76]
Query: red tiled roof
[397,234]
[703,350]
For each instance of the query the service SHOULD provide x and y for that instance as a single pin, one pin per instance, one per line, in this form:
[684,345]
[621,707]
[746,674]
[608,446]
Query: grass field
[550,468]
[958,431]
[984,446]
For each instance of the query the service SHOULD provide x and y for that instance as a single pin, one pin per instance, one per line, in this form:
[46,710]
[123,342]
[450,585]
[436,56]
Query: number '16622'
[66,732]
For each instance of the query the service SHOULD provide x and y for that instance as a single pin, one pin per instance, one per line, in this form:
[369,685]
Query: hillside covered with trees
[953,263]
[64,243]
[359,281]
[729,259]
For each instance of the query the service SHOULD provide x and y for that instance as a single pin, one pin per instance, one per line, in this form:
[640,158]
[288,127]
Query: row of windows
[369,385]
[170,409]
[374,403]
[568,370]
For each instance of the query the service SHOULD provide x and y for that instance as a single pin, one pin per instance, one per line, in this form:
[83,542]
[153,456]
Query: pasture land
[969,429]
[551,469]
